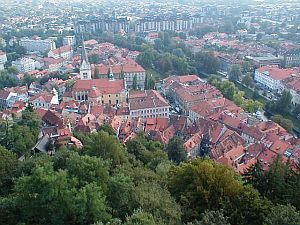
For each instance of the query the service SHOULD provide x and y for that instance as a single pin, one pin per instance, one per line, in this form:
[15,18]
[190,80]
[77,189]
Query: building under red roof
[105,85]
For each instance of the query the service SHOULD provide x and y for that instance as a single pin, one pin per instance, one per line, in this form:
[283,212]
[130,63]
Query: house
[65,52]
[7,99]
[251,134]
[50,118]
[18,107]
[45,100]
[52,64]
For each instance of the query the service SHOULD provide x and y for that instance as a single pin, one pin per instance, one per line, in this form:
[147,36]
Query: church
[104,90]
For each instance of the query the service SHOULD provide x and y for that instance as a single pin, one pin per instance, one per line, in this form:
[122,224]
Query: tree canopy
[136,184]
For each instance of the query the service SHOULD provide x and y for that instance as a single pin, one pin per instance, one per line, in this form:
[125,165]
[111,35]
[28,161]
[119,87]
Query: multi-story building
[146,24]
[37,45]
[293,86]
[265,60]
[148,104]
[105,91]
[187,91]
[24,65]
[3,59]
[45,100]
[291,58]
[112,25]
[127,71]
[272,76]
[226,63]
[65,52]
[69,40]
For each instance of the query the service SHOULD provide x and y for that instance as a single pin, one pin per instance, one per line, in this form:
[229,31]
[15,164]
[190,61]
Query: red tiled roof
[104,85]
[46,97]
[4,94]
[276,73]
[266,158]
[91,42]
[253,132]
[118,69]
[65,48]
[150,99]
[280,146]
[53,61]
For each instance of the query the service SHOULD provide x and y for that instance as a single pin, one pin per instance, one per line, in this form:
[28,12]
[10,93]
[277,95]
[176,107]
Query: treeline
[19,135]
[9,79]
[231,92]
[168,55]
[141,183]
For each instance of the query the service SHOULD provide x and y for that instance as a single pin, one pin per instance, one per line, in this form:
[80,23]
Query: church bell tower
[85,68]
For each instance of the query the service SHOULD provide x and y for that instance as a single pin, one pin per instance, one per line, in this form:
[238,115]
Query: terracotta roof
[91,42]
[4,94]
[151,99]
[118,69]
[53,61]
[104,85]
[52,118]
[280,146]
[276,73]
[97,110]
[193,142]
[266,158]
[94,93]
[46,97]
[253,132]
[65,48]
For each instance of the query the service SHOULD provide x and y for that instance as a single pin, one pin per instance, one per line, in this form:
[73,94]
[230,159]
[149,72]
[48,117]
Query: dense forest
[140,183]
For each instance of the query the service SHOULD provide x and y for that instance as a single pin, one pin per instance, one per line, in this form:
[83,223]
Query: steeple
[85,68]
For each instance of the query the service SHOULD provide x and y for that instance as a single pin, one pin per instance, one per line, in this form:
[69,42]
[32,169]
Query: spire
[85,68]
[84,55]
